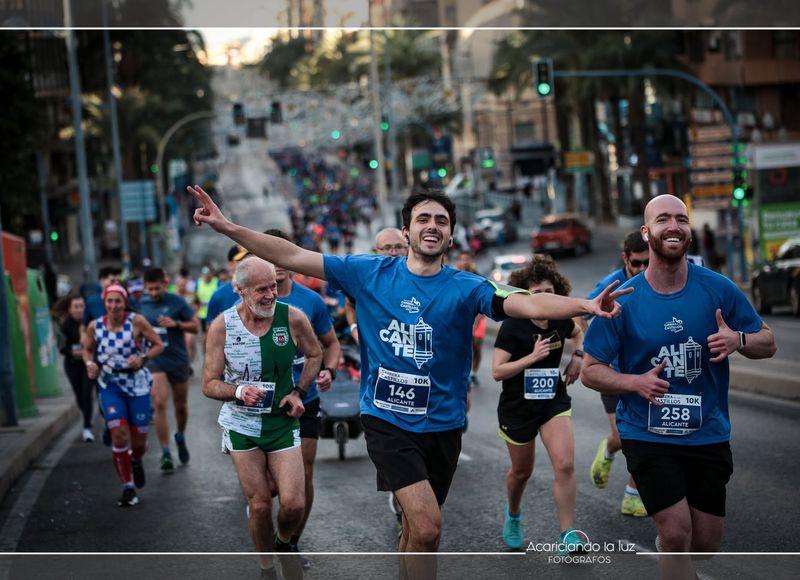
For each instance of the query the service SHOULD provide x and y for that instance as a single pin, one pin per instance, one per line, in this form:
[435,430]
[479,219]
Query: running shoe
[512,531]
[269,574]
[139,479]
[570,542]
[601,467]
[183,452]
[88,436]
[291,566]
[166,463]
[658,544]
[473,380]
[632,506]
[128,497]
[303,560]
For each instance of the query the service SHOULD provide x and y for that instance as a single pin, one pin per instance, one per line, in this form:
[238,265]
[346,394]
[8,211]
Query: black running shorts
[665,473]
[310,420]
[521,427]
[610,403]
[403,458]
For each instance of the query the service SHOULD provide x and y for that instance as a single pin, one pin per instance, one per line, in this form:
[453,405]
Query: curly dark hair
[539,269]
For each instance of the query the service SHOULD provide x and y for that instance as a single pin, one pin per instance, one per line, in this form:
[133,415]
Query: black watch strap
[302,393]
[332,371]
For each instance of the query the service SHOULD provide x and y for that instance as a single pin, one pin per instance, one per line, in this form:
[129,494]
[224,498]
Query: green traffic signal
[373,163]
[442,172]
[54,236]
[154,168]
[335,134]
[738,193]
[384,126]
[543,89]
[487,163]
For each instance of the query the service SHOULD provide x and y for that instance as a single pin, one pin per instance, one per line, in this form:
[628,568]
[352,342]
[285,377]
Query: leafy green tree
[283,57]
[22,127]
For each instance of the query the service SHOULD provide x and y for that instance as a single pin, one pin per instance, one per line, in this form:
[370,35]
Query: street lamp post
[162,145]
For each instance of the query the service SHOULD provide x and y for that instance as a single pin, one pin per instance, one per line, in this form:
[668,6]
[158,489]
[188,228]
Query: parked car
[778,282]
[460,187]
[559,233]
[502,266]
[496,224]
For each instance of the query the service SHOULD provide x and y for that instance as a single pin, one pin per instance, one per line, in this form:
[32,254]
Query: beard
[259,310]
[668,254]
[428,255]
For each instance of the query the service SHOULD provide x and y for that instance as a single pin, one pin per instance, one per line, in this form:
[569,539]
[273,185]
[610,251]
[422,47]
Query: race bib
[265,405]
[679,415]
[402,392]
[77,350]
[540,384]
[162,334]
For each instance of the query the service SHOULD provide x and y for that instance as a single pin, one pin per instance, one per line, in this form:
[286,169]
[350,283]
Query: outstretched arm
[553,307]
[271,248]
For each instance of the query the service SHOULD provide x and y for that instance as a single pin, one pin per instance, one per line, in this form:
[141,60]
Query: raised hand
[723,342]
[650,386]
[541,348]
[605,305]
[209,213]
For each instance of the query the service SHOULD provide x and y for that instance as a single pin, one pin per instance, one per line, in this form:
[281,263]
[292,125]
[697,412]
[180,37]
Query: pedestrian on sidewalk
[69,311]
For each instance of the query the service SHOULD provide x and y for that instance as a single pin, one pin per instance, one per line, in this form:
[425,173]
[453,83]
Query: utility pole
[41,170]
[377,136]
[112,113]
[87,235]
[391,134]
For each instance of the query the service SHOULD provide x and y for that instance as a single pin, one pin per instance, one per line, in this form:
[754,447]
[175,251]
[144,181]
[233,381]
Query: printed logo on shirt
[412,341]
[674,325]
[683,360]
[411,305]
[280,336]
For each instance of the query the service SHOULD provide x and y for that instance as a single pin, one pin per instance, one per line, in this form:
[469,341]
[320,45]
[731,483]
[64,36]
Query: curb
[22,444]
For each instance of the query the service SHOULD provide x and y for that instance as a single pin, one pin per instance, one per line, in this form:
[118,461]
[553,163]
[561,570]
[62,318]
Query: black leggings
[82,387]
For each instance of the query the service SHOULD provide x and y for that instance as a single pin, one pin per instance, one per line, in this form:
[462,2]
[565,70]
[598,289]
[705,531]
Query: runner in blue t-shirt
[415,321]
[635,256]
[672,342]
[171,317]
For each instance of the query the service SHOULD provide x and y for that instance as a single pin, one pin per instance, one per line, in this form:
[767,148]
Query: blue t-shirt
[223,298]
[601,285]
[174,355]
[95,307]
[415,335]
[313,306]
[675,326]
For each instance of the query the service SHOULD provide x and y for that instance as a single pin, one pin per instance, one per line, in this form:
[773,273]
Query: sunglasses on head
[639,263]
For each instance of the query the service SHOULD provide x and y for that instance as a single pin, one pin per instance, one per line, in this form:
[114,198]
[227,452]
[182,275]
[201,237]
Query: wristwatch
[145,358]
[742,340]
[332,371]
[302,393]
[578,352]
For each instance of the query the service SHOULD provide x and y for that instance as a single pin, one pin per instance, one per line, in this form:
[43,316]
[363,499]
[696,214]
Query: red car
[562,232]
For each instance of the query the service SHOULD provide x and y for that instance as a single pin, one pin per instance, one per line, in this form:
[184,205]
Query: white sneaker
[88,436]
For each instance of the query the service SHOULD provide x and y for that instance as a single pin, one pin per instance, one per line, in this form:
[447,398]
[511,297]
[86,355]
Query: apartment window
[786,44]
[524,132]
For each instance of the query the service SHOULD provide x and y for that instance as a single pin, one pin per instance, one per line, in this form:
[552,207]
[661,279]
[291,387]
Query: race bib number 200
[540,384]
[402,392]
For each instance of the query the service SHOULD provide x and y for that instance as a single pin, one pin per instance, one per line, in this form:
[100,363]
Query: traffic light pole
[726,113]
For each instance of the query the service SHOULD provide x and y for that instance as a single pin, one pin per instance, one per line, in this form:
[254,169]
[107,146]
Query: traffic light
[543,77]
[384,124]
[53,236]
[336,134]
[741,192]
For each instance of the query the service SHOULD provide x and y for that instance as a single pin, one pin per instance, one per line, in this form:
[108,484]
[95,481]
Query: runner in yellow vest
[207,284]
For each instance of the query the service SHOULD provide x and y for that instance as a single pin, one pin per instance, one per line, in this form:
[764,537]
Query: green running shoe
[512,531]
[601,467]
[632,506]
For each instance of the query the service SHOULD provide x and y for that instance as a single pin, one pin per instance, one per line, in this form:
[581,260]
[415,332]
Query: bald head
[666,203]
[390,242]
